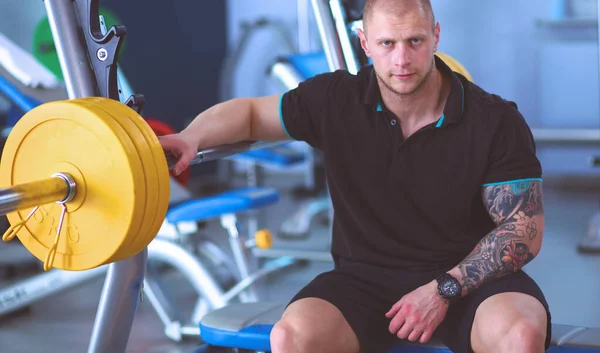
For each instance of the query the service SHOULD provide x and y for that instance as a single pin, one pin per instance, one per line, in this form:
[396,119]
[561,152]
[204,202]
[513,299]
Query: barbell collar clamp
[59,188]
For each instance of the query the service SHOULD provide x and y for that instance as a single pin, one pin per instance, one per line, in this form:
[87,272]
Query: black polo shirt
[414,204]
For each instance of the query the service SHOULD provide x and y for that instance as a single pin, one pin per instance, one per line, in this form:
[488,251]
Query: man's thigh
[358,297]
[456,330]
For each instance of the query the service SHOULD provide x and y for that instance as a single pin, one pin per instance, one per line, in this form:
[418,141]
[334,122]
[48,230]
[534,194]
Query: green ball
[43,44]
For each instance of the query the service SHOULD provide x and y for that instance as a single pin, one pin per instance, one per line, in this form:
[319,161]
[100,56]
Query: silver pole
[598,26]
[122,288]
[339,18]
[303,26]
[118,304]
[74,63]
[329,37]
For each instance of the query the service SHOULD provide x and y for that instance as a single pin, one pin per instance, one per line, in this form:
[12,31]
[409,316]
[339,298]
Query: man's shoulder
[338,85]
[483,104]
[343,77]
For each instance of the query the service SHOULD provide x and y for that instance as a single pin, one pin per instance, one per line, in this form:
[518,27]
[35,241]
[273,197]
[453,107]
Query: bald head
[398,8]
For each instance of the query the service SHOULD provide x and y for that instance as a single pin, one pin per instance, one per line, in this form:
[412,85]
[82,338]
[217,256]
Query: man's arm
[517,210]
[239,119]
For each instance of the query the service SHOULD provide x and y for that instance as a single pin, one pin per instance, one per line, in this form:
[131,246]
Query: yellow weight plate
[65,136]
[455,65]
[149,164]
[160,163]
[147,213]
[163,176]
[140,180]
[125,249]
[151,176]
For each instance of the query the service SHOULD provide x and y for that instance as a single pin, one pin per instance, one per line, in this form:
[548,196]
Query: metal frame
[73,25]
[166,251]
[117,307]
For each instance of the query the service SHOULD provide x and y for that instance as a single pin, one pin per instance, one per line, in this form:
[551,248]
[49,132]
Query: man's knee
[510,322]
[522,336]
[525,336]
[288,336]
[313,325]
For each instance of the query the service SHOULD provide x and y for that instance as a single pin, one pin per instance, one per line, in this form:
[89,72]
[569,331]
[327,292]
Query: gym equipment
[126,149]
[182,234]
[44,50]
[23,67]
[123,129]
[24,82]
[166,249]
[289,71]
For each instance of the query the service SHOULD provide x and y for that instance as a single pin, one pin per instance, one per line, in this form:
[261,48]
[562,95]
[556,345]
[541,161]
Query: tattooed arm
[517,210]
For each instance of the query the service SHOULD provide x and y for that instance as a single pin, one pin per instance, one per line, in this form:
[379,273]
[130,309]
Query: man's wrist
[448,288]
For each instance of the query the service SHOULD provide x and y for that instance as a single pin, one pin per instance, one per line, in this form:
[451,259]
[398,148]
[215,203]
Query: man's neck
[417,108]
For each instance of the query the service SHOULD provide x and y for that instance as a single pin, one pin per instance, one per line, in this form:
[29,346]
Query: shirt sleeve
[302,109]
[513,153]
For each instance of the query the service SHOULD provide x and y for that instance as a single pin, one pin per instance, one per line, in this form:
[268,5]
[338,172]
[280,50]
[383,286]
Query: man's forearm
[224,123]
[517,209]
[503,251]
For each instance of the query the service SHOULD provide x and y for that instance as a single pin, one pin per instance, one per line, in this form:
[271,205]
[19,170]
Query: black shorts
[364,293]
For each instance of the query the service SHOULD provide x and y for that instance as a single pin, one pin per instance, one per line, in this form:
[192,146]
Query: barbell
[87,181]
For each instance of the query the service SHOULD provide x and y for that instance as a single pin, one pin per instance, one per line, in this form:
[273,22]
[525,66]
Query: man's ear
[363,42]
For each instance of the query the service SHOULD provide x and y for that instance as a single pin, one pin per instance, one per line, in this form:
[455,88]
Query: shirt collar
[455,104]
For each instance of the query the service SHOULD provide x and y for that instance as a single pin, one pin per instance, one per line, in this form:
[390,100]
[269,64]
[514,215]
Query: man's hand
[418,314]
[181,146]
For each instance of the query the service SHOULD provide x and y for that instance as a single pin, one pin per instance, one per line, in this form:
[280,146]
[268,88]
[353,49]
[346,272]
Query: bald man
[437,195]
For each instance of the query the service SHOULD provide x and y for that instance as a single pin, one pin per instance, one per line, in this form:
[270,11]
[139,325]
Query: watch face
[450,288]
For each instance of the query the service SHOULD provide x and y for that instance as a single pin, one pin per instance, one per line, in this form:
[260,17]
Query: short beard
[417,87]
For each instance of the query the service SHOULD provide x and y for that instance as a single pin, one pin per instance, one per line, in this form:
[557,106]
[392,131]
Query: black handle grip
[103,49]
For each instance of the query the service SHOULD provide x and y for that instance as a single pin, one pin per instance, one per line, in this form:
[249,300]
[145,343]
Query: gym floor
[569,279]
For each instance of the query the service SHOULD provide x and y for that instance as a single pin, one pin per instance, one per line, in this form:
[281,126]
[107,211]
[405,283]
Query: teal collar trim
[440,122]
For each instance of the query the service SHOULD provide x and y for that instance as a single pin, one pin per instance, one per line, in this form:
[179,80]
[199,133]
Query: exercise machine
[179,244]
[337,23]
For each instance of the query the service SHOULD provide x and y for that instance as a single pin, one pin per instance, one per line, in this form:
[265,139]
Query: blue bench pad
[283,156]
[308,64]
[255,321]
[233,201]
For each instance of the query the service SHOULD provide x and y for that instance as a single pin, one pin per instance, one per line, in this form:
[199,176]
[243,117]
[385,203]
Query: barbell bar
[62,187]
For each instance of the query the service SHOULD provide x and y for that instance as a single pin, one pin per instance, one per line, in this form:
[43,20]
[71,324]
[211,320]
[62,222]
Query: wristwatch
[448,287]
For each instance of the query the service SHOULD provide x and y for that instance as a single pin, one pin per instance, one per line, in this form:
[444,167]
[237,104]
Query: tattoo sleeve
[517,210]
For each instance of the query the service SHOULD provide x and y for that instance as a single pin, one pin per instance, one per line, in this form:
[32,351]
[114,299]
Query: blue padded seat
[282,155]
[232,201]
[308,64]
[248,326]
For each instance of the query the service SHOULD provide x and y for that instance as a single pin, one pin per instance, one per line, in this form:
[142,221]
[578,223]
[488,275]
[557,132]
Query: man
[436,190]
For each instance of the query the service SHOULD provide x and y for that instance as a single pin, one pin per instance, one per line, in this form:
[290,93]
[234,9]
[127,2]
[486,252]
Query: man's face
[401,48]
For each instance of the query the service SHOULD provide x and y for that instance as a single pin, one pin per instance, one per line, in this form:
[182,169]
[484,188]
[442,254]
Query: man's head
[400,37]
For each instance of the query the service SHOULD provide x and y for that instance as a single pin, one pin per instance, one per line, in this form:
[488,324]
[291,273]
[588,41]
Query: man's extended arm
[517,210]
